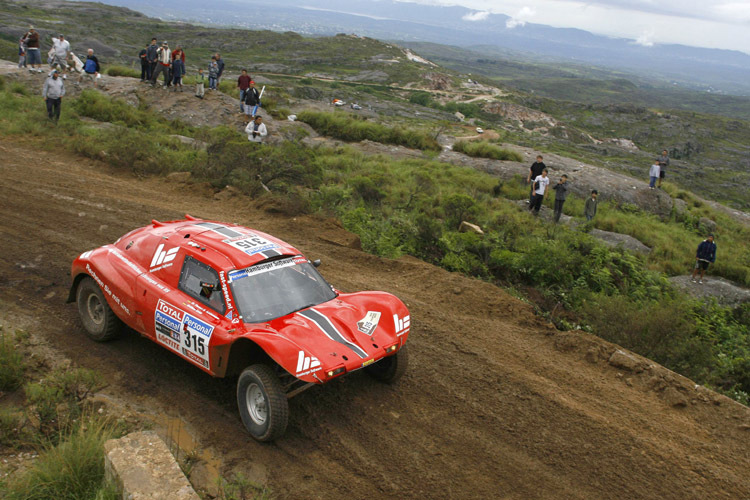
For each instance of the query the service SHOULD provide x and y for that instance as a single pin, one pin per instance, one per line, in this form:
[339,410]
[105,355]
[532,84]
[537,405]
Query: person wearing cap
[252,99]
[589,209]
[705,255]
[256,130]
[33,56]
[243,83]
[52,92]
[164,60]
[61,47]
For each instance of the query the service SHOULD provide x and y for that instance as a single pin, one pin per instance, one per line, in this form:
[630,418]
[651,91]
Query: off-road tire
[99,321]
[262,403]
[389,370]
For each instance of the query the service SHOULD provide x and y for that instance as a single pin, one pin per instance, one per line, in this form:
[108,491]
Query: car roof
[241,246]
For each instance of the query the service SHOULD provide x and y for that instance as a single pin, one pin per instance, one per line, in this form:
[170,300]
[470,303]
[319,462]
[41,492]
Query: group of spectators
[539,181]
[157,60]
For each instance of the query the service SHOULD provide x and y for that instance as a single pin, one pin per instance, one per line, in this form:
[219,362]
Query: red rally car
[237,302]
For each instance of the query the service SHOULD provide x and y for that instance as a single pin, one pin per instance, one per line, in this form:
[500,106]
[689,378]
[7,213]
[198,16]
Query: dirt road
[496,403]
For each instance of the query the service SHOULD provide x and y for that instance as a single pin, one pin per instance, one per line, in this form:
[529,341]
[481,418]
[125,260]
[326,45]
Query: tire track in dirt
[495,405]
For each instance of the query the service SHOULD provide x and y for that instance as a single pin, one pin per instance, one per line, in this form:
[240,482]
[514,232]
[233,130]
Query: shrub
[19,88]
[72,470]
[11,364]
[12,424]
[349,128]
[422,98]
[483,149]
[123,71]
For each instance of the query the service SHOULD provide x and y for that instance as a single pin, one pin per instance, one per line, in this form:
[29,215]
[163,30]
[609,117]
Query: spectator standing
[91,67]
[213,74]
[252,100]
[143,56]
[33,56]
[164,60]
[534,171]
[243,83]
[178,67]
[21,53]
[256,130]
[52,92]
[589,209]
[561,192]
[540,192]
[653,173]
[152,56]
[220,64]
[705,255]
[663,164]
[200,79]
[61,48]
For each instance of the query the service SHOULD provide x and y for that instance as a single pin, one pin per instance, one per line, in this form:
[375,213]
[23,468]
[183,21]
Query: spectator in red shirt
[243,83]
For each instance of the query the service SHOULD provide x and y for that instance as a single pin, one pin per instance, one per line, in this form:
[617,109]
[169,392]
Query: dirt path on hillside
[496,404]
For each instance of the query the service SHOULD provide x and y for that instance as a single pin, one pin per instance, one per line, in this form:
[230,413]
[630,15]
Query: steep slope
[497,404]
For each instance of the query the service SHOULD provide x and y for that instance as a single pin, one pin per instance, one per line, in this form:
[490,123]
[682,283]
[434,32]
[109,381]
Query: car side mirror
[316,263]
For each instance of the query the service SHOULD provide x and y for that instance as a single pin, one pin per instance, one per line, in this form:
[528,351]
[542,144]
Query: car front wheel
[99,321]
[262,403]
[390,369]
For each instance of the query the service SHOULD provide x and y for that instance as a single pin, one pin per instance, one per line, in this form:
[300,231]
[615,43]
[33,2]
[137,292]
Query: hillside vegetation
[415,207]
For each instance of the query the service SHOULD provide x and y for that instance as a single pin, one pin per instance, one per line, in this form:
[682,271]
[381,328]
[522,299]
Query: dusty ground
[497,404]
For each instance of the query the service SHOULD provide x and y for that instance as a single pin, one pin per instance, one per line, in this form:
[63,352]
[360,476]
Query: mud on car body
[238,302]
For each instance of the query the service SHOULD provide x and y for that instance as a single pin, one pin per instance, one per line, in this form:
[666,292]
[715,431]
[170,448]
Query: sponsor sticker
[401,324]
[369,323]
[260,269]
[307,364]
[368,362]
[251,243]
[183,333]
[163,258]
[106,289]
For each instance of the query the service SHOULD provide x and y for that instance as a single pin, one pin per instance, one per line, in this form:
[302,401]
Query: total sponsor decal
[401,324]
[251,243]
[306,364]
[105,288]
[163,258]
[260,268]
[369,323]
[183,332]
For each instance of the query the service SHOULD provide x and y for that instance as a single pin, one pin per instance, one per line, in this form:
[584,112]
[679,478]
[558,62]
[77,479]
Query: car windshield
[273,289]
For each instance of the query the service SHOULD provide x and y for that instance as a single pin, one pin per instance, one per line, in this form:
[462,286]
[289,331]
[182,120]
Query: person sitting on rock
[705,255]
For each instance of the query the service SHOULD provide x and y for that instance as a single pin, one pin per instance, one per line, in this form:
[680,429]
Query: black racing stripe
[330,331]
[270,253]
[223,230]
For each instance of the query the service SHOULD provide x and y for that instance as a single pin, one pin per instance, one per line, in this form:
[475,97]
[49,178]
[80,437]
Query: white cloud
[736,11]
[646,39]
[521,17]
[476,16]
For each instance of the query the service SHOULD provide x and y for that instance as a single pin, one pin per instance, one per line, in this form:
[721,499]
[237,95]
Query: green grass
[484,149]
[11,363]
[117,70]
[351,128]
[70,470]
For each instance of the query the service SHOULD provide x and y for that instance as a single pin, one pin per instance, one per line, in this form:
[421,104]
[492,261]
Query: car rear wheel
[262,403]
[390,369]
[99,321]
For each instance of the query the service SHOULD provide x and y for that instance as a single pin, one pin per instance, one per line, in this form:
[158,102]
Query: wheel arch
[244,352]
[72,293]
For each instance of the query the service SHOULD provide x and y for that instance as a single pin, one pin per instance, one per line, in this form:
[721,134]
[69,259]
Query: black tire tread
[113,326]
[277,401]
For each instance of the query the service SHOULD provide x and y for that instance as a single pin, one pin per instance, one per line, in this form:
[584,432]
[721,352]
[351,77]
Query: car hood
[350,330]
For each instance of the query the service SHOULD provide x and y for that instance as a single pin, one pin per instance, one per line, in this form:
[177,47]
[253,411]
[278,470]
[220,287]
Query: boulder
[626,361]
[680,208]
[617,239]
[724,291]
[141,467]
[707,225]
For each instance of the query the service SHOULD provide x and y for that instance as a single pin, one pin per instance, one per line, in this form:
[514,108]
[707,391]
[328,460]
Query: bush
[349,128]
[12,427]
[422,98]
[123,71]
[72,470]
[483,149]
[11,364]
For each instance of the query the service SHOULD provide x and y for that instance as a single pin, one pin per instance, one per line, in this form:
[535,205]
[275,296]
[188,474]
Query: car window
[193,280]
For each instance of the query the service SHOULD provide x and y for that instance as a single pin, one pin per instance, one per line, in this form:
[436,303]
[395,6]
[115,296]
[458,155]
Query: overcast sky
[705,23]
